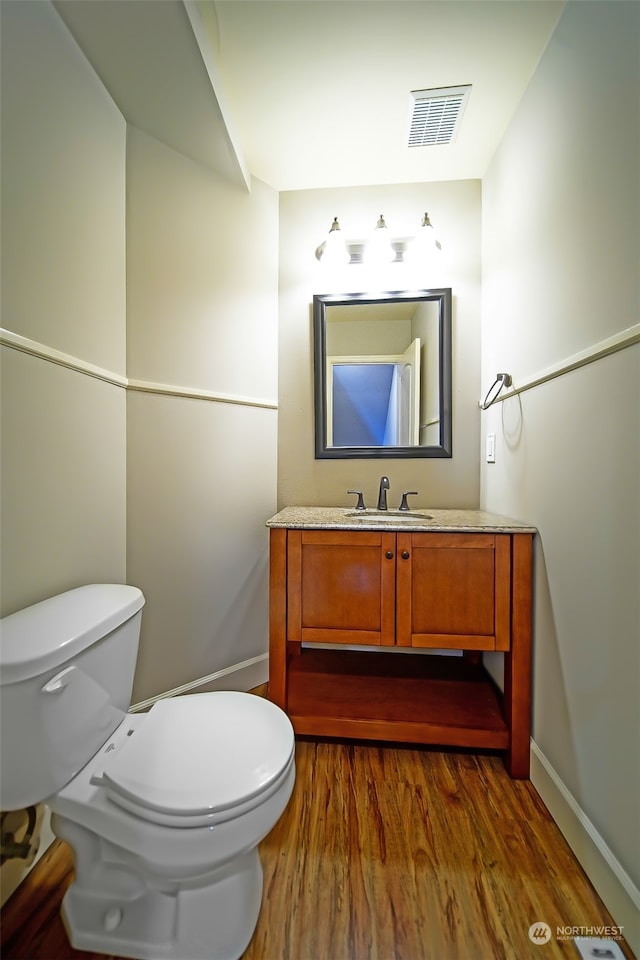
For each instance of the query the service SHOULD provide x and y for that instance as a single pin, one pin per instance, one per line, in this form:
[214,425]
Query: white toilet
[163,810]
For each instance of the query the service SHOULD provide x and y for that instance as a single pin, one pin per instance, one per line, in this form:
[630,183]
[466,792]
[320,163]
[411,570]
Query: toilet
[163,810]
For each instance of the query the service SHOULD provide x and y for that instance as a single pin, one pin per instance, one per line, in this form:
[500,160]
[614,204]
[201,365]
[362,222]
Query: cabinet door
[341,586]
[454,590]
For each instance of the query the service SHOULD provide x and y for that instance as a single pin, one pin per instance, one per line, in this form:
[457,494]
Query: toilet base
[215,921]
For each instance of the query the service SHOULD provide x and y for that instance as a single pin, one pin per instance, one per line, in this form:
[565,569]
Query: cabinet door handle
[405,554]
[389,554]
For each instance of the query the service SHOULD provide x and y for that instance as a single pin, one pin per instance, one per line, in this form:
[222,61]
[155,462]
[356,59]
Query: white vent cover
[436,115]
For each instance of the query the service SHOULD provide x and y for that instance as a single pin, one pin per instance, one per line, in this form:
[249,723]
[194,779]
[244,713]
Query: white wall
[63,286]
[560,274]
[201,317]
[305,218]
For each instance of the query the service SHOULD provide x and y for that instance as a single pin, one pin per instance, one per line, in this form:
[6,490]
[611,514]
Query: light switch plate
[491,448]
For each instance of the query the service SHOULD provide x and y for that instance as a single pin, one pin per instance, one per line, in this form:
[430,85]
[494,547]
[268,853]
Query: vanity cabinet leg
[278,616]
[517,661]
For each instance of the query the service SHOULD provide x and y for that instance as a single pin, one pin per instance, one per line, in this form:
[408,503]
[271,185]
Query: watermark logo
[602,932]
[539,932]
[593,942]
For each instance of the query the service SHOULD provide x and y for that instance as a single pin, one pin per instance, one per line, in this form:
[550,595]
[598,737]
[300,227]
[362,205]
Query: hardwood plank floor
[384,853]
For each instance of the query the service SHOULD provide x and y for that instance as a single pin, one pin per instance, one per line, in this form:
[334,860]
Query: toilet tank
[66,675]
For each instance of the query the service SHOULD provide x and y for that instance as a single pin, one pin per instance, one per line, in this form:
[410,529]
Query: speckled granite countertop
[346,518]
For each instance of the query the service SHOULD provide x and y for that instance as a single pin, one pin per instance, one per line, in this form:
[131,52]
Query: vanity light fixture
[381,247]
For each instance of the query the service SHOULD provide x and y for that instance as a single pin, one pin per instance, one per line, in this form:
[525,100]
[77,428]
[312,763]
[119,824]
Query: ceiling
[320,90]
[308,94]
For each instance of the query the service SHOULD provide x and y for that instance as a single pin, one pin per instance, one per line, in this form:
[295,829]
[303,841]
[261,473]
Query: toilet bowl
[165,816]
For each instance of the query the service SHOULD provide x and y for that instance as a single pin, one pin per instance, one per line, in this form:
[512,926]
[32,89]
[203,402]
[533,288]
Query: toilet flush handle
[60,681]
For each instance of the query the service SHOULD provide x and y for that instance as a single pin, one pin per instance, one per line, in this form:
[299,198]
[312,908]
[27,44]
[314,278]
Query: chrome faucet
[382,494]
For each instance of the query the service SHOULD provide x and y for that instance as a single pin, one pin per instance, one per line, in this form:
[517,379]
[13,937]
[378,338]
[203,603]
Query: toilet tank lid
[50,633]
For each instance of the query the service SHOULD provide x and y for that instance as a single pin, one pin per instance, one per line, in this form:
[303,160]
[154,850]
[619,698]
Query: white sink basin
[388,516]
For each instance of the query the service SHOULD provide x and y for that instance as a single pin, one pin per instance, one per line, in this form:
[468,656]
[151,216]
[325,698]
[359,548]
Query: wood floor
[384,853]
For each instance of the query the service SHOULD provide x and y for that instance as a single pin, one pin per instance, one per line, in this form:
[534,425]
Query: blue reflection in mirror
[361,398]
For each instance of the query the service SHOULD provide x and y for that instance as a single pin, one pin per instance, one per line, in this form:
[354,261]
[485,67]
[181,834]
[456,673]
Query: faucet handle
[403,503]
[360,504]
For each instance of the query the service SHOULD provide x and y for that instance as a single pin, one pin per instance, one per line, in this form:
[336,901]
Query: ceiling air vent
[436,115]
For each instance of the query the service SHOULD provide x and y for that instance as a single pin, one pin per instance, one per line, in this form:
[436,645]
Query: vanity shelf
[395,697]
[459,582]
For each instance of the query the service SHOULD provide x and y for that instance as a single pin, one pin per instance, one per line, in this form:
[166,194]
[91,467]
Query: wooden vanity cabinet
[468,591]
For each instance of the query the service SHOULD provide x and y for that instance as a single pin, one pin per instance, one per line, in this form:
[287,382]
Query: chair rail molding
[43,352]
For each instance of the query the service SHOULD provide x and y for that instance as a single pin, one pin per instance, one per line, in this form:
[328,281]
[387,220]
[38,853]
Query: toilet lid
[196,755]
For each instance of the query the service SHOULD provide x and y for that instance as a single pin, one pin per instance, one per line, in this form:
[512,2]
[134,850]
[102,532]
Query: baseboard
[613,884]
[239,676]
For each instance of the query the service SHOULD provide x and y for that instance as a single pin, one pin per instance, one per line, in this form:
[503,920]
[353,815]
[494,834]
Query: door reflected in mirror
[382,368]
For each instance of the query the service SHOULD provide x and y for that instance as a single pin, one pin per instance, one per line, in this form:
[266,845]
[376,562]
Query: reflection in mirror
[382,367]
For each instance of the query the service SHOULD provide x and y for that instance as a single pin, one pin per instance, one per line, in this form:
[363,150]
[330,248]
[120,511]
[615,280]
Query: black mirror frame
[320,303]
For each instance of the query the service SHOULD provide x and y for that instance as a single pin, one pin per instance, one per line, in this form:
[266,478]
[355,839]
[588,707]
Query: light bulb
[426,245]
[379,249]
[334,251]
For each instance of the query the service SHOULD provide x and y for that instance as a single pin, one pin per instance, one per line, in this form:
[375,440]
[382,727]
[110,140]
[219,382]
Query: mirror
[382,374]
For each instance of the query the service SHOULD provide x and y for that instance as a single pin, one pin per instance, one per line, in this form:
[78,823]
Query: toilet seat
[199,760]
